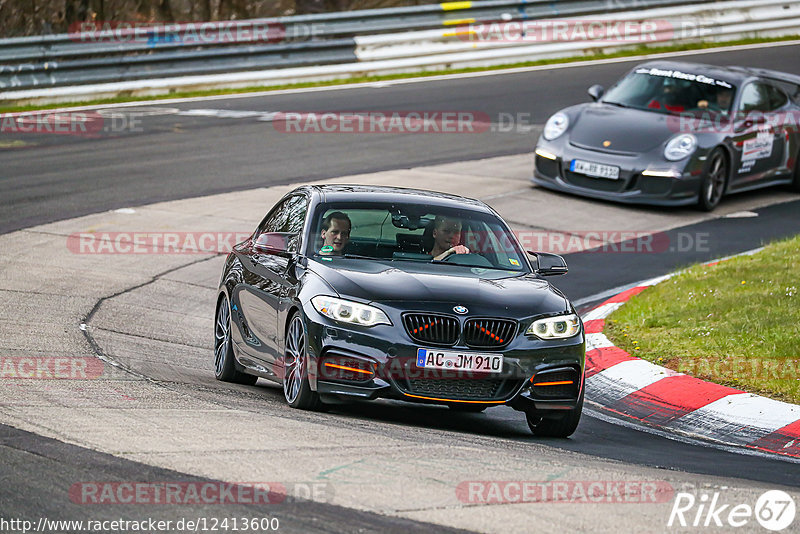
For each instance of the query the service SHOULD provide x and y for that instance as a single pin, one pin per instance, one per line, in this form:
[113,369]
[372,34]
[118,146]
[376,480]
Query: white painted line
[740,215]
[624,378]
[143,111]
[601,312]
[603,295]
[597,341]
[637,374]
[656,280]
[595,410]
[741,417]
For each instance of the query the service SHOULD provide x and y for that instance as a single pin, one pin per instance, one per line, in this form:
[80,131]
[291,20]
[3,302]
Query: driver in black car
[335,233]
[446,235]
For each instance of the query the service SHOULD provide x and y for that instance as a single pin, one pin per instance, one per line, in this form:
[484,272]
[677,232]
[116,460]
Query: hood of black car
[505,292]
[614,129]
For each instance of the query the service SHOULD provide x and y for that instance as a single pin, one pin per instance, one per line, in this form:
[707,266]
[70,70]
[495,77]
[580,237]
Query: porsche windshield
[406,232]
[672,91]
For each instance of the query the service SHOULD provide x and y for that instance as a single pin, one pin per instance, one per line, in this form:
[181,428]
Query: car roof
[387,194]
[734,75]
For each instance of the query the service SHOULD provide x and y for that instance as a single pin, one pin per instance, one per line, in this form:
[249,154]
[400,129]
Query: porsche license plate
[459,361]
[595,170]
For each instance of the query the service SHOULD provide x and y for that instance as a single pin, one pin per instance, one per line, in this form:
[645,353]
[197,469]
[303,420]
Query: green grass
[7,107]
[736,323]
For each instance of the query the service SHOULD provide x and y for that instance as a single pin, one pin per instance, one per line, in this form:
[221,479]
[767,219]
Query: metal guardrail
[361,43]
[667,25]
[118,55]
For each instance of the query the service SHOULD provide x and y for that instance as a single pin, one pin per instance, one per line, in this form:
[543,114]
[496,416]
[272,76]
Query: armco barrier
[341,45]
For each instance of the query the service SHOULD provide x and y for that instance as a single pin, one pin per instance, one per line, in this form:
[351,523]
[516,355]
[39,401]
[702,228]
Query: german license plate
[595,170]
[459,361]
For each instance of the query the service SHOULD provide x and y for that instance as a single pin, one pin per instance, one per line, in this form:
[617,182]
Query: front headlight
[680,146]
[559,327]
[347,311]
[555,126]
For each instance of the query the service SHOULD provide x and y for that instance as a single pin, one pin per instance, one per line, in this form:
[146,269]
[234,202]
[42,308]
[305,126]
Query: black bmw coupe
[356,292]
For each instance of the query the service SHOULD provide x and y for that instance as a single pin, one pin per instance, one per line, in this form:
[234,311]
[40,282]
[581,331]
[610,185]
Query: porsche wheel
[296,388]
[224,361]
[558,427]
[712,187]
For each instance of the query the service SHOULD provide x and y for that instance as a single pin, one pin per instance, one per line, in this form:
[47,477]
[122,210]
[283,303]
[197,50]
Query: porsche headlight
[680,146]
[559,327]
[555,126]
[347,311]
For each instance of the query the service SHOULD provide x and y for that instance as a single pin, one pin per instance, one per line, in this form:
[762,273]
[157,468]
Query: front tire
[715,178]
[296,388]
[224,361]
[561,427]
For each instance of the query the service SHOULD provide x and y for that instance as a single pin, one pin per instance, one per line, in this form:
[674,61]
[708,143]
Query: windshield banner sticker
[700,78]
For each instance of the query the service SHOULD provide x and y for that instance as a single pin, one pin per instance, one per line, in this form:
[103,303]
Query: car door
[759,146]
[268,279]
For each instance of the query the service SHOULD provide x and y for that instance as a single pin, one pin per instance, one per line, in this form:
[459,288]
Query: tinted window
[412,232]
[776,98]
[288,216]
[755,97]
[671,91]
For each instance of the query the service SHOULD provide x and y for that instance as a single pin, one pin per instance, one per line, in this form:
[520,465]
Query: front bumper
[392,354]
[632,186]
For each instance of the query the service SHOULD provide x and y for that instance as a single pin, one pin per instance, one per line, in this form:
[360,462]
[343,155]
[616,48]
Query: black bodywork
[764,113]
[268,286]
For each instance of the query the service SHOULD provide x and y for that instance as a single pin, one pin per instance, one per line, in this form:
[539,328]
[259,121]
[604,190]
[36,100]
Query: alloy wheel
[295,360]
[222,335]
[716,180]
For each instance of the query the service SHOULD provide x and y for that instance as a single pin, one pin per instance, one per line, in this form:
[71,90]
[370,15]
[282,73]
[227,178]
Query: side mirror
[549,264]
[276,243]
[596,92]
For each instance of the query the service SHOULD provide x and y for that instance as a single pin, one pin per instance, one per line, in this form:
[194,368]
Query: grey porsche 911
[676,133]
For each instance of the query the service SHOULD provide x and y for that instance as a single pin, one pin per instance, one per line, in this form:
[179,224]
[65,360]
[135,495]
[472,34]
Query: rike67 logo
[774,510]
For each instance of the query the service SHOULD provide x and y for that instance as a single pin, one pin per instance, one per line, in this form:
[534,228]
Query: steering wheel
[470,260]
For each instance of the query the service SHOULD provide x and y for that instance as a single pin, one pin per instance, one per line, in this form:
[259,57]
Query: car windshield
[414,233]
[672,92]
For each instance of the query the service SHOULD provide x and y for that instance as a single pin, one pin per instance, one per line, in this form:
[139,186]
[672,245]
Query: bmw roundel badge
[461,310]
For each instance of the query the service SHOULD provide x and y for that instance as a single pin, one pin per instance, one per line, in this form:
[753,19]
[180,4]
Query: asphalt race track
[192,150]
[178,156]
